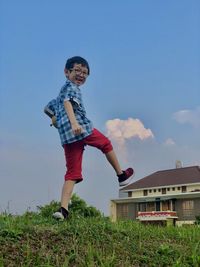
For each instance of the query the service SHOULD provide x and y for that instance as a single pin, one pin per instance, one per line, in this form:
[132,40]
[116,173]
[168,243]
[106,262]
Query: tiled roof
[179,176]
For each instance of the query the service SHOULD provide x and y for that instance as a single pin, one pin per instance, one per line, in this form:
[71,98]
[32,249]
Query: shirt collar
[73,84]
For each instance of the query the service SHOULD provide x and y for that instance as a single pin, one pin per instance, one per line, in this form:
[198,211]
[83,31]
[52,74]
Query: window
[163,190]
[154,190]
[184,189]
[173,188]
[158,204]
[166,205]
[122,210]
[142,207]
[168,189]
[129,194]
[173,204]
[188,204]
[159,190]
[188,208]
[178,188]
[145,192]
[150,190]
[151,206]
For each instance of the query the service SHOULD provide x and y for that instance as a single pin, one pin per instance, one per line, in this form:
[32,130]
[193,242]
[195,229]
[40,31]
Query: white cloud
[169,142]
[188,116]
[121,130]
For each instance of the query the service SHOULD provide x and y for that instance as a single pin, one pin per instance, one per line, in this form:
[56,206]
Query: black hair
[78,60]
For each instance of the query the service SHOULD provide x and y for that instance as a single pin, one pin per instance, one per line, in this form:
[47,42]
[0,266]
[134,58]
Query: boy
[76,131]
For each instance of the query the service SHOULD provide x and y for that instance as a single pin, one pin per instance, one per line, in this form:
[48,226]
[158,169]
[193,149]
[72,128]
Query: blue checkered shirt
[72,93]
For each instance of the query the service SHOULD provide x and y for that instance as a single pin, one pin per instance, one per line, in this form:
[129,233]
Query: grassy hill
[35,239]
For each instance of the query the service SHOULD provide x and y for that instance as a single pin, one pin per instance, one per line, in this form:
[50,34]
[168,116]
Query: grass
[36,240]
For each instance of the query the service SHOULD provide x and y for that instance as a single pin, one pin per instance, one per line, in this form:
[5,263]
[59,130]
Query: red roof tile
[179,176]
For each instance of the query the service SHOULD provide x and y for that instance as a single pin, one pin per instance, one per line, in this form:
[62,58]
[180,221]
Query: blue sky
[145,72]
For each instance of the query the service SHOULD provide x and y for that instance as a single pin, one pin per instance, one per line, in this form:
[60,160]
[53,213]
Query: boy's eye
[78,71]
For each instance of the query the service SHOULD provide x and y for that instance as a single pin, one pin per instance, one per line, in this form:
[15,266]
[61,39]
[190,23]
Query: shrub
[77,207]
[197,219]
[48,209]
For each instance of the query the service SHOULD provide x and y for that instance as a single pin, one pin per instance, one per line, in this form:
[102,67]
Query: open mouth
[80,79]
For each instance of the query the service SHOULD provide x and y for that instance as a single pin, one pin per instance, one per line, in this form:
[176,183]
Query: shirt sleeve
[72,95]
[50,108]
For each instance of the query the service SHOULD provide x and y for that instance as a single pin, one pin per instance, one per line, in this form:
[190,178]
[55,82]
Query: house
[171,196]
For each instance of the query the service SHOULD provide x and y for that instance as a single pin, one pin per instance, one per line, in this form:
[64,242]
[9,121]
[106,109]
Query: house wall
[113,211]
[137,193]
[170,190]
[193,187]
[187,209]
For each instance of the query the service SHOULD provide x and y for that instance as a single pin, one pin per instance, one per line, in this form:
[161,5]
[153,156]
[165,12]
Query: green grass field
[35,239]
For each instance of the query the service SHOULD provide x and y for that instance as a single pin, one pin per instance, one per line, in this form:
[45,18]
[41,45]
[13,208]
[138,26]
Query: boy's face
[78,74]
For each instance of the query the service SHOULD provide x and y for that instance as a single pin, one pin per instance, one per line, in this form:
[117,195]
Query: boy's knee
[107,146]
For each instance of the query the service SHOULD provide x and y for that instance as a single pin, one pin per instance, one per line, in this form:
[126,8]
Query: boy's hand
[54,123]
[76,128]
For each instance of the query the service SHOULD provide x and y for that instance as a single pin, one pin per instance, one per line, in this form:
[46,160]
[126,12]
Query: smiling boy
[76,131]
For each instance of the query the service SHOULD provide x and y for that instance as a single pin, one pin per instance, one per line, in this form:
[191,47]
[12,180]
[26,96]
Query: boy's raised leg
[124,177]
[112,159]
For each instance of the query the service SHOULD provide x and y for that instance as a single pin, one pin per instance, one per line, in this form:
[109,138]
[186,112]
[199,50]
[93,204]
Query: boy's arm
[54,123]
[76,128]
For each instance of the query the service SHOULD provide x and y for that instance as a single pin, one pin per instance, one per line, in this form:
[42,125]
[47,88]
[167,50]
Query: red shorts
[74,153]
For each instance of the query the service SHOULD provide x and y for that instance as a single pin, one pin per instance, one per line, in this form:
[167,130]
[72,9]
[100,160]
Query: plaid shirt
[72,93]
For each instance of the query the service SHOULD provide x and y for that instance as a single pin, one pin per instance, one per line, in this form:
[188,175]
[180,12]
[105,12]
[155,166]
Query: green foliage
[49,209]
[36,239]
[197,221]
[77,207]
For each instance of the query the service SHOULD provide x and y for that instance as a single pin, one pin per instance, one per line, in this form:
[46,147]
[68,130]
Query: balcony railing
[156,215]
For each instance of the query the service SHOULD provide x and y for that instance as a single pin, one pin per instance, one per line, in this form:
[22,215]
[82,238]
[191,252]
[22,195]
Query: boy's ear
[66,71]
